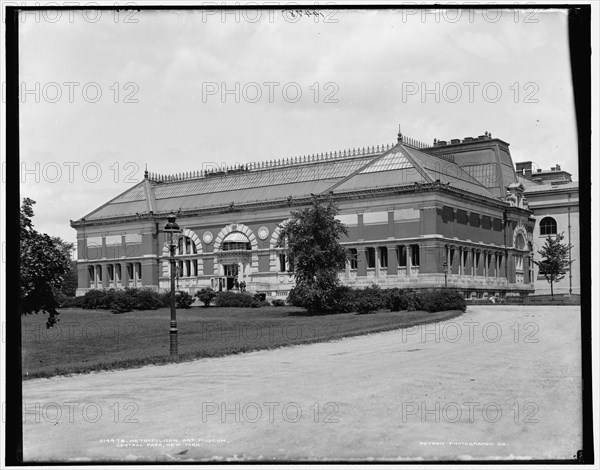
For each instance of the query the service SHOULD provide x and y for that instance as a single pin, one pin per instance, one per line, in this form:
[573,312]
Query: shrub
[234,299]
[206,296]
[278,303]
[65,301]
[97,299]
[343,299]
[369,300]
[145,298]
[395,300]
[446,299]
[183,299]
[121,301]
[403,299]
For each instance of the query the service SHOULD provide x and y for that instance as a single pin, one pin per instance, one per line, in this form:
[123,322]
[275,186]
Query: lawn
[88,340]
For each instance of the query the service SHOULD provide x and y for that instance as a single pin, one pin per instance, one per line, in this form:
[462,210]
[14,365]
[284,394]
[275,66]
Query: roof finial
[146,172]
[400,138]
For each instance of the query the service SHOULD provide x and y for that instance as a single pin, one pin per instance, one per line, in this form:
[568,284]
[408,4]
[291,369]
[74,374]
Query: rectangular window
[401,252]
[111,273]
[415,255]
[195,267]
[383,256]
[353,258]
[282,260]
[370,257]
[91,273]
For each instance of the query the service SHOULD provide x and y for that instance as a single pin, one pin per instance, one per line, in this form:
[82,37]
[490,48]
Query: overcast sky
[161,75]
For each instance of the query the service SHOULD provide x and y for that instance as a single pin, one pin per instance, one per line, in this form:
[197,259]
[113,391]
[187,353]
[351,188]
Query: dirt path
[501,382]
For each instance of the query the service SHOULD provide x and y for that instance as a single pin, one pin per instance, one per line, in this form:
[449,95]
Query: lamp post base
[173,343]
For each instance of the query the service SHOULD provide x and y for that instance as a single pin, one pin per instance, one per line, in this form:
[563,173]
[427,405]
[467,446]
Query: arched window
[235,241]
[185,246]
[520,242]
[186,266]
[548,226]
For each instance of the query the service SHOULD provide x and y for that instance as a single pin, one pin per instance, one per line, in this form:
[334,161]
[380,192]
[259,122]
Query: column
[497,261]
[454,259]
[460,261]
[526,275]
[377,261]
[392,260]
[124,275]
[362,261]
[492,272]
[408,260]
[347,269]
[105,278]
[469,263]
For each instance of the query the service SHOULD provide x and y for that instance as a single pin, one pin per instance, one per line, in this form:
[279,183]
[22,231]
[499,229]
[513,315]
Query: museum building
[418,216]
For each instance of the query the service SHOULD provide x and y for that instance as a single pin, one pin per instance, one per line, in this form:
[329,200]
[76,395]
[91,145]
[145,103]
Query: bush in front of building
[67,301]
[443,299]
[182,299]
[369,299]
[206,295]
[278,303]
[234,299]
[145,298]
[403,300]
[97,299]
[122,301]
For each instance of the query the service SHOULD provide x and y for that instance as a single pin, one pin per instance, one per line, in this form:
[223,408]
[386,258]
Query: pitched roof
[398,165]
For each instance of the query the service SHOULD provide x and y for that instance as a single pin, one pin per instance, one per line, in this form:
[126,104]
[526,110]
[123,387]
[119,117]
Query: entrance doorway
[231,273]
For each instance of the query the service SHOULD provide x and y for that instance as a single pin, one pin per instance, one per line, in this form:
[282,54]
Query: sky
[105,94]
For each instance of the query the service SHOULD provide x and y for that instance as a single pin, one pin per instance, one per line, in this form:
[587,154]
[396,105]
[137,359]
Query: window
[548,226]
[282,262]
[353,258]
[236,241]
[520,242]
[415,254]
[519,263]
[401,256]
[383,256]
[370,257]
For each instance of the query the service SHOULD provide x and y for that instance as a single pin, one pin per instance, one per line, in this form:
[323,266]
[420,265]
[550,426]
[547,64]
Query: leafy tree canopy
[555,260]
[43,267]
[315,254]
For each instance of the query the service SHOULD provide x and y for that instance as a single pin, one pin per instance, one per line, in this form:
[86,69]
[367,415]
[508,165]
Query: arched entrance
[234,260]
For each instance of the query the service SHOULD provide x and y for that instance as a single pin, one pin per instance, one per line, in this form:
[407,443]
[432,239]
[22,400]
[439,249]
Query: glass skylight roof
[256,179]
[392,161]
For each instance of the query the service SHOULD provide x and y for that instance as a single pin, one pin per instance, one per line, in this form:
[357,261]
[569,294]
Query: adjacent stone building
[553,197]
[452,213]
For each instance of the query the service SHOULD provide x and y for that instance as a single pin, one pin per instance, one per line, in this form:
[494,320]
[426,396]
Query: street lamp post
[172,228]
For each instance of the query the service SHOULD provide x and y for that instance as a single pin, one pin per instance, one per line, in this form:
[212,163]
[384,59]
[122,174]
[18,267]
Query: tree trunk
[552,289]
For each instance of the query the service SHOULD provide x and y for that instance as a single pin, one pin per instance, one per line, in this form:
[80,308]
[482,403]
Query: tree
[43,266]
[206,295]
[555,260]
[70,281]
[314,253]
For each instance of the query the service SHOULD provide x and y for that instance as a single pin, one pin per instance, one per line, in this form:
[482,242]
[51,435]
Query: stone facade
[415,219]
[554,199]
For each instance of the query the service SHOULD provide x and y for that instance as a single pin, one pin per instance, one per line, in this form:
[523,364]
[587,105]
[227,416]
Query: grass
[91,340]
